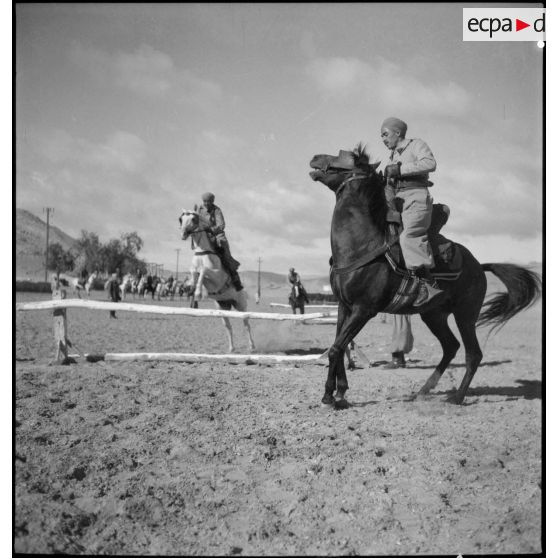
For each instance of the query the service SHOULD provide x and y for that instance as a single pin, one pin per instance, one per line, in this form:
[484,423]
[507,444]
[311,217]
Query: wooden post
[59,324]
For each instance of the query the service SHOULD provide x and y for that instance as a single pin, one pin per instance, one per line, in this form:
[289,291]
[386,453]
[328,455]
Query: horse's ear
[196,207]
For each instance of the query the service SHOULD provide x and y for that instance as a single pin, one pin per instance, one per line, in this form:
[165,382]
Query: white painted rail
[146,308]
[201,357]
[281,305]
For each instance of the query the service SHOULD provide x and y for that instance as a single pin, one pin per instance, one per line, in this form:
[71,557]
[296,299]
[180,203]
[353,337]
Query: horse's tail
[524,289]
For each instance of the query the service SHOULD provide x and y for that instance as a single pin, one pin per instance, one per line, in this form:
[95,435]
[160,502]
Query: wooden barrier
[59,304]
[200,357]
[145,308]
[281,305]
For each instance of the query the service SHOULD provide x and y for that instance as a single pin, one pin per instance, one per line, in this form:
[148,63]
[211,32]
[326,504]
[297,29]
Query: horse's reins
[198,230]
[355,176]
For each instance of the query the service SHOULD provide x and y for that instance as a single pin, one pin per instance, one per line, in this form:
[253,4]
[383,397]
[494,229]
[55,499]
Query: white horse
[141,286]
[212,275]
[126,285]
[90,282]
[76,283]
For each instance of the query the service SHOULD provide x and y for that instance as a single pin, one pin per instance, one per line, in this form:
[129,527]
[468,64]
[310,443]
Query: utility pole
[177,252]
[259,292]
[48,210]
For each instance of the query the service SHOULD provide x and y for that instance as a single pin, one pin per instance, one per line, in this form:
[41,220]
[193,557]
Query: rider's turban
[208,196]
[393,123]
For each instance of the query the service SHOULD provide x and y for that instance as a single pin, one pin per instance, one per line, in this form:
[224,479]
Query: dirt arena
[220,459]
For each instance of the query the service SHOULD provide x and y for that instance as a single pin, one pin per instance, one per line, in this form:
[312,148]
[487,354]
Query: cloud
[146,72]
[390,85]
[484,202]
[121,150]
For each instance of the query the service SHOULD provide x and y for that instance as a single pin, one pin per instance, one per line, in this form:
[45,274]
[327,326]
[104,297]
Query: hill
[31,243]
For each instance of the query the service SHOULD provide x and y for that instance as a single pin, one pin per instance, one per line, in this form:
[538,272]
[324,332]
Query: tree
[121,253]
[132,243]
[112,256]
[88,252]
[59,259]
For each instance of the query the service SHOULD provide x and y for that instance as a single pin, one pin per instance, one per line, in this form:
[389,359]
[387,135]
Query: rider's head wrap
[208,196]
[393,123]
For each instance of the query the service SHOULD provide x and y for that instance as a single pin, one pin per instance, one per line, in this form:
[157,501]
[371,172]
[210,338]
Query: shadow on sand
[411,364]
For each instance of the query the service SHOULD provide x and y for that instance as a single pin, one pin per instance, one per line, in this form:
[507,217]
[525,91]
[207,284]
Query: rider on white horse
[208,271]
[212,214]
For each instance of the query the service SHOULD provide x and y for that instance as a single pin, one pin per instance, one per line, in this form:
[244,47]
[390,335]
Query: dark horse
[364,282]
[297,298]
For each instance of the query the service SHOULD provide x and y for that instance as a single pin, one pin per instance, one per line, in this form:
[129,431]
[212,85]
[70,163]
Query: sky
[127,113]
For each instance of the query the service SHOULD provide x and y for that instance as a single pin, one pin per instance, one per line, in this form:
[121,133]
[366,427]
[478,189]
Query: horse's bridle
[355,176]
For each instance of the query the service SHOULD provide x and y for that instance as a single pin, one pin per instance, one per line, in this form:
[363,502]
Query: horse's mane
[372,188]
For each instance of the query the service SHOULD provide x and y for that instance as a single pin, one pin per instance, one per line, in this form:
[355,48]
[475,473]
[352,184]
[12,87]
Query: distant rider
[294,279]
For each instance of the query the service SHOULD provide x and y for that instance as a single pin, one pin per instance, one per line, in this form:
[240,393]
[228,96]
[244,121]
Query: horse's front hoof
[341,404]
[455,399]
[328,399]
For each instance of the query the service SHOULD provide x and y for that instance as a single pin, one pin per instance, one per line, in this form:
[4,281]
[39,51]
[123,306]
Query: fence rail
[153,309]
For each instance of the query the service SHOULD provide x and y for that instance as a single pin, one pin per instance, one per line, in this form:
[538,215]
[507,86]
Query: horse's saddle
[448,259]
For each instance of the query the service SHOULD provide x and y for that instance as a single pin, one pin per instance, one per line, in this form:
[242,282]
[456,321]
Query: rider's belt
[409,183]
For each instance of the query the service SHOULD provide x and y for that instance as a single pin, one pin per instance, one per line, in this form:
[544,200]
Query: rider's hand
[393,171]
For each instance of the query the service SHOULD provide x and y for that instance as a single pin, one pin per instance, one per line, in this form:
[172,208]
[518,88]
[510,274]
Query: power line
[177,250]
[48,210]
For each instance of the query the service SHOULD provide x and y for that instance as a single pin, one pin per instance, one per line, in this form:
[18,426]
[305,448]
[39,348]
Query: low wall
[33,286]
[321,297]
[29,286]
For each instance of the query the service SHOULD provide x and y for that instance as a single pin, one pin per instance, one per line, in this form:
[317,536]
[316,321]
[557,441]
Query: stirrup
[432,291]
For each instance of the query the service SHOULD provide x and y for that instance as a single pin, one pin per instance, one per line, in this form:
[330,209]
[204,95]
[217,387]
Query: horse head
[189,221]
[334,170]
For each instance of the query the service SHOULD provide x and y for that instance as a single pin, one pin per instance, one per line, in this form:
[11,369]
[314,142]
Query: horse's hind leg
[248,329]
[473,353]
[228,327]
[438,325]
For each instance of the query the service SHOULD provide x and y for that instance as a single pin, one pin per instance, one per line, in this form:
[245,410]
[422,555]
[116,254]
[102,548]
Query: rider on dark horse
[294,280]
[213,215]
[406,172]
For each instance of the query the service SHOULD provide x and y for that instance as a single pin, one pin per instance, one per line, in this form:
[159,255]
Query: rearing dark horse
[365,283]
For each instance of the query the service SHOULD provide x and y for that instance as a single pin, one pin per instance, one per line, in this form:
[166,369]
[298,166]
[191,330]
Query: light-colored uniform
[417,161]
[402,335]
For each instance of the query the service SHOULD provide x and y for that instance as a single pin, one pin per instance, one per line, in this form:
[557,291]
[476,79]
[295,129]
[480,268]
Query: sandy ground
[220,459]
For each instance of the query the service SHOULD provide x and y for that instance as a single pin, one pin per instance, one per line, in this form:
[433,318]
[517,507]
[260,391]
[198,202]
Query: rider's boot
[428,288]
[236,280]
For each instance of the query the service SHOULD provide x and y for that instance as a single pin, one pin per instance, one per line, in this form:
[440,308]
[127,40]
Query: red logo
[519,25]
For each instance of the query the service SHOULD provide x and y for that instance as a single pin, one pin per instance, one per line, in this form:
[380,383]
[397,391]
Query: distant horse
[365,283]
[134,288]
[163,289]
[90,282]
[188,290]
[212,275]
[297,298]
[145,286]
[126,285]
[78,284]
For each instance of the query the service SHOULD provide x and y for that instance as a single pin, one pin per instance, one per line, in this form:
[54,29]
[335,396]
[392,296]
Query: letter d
[536,24]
